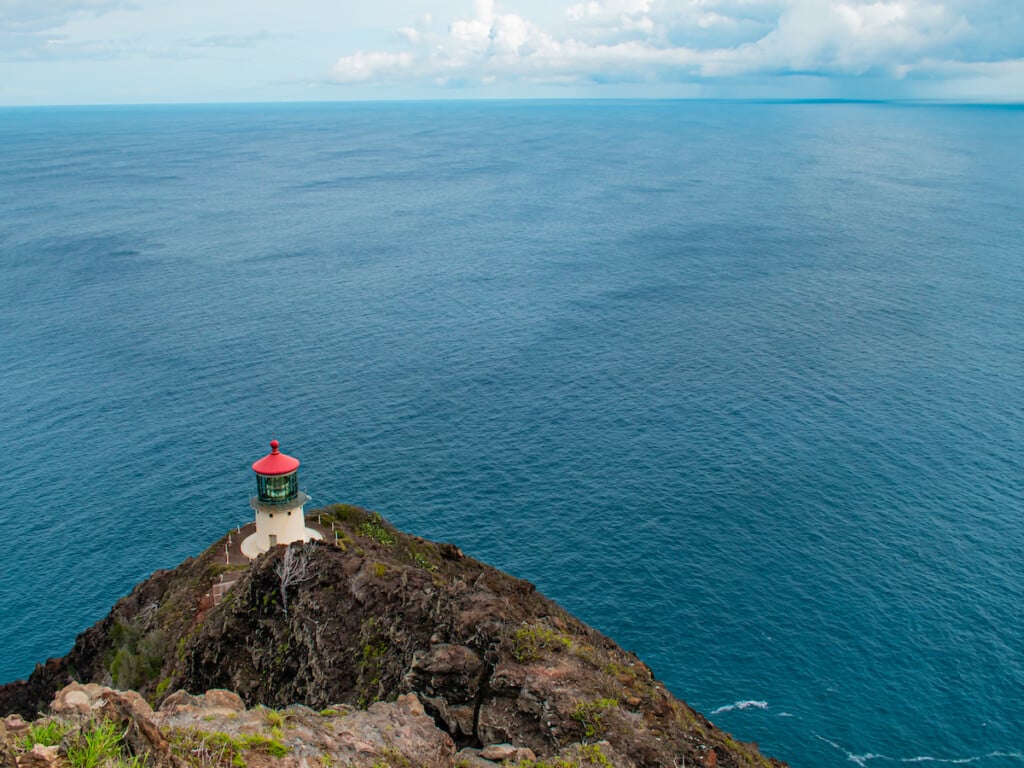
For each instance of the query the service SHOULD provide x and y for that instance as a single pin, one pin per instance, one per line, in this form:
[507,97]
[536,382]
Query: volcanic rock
[394,631]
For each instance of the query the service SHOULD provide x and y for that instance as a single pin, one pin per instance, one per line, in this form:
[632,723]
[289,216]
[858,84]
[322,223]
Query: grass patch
[586,755]
[93,744]
[392,758]
[214,749]
[346,514]
[182,647]
[528,643]
[374,651]
[370,670]
[421,560]
[590,714]
[206,749]
[421,553]
[747,751]
[96,746]
[592,754]
[557,763]
[273,718]
[48,733]
[264,744]
[374,528]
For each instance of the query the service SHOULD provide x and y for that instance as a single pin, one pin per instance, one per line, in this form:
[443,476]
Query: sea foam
[748,704]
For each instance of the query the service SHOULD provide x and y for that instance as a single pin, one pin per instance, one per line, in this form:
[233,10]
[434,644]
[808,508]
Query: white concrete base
[252,550]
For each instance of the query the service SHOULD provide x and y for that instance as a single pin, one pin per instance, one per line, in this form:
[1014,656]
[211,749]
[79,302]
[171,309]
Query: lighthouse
[278,504]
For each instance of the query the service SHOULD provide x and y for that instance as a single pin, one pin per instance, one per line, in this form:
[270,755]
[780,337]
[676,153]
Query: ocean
[740,384]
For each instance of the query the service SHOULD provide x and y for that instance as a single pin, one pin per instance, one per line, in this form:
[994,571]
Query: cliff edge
[380,616]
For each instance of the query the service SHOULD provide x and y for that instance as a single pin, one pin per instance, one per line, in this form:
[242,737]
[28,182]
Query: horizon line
[523,100]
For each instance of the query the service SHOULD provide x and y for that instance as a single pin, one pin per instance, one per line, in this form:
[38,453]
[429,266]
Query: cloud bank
[678,41]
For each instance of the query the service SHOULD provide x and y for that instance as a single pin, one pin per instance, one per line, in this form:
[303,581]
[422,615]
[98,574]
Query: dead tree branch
[292,569]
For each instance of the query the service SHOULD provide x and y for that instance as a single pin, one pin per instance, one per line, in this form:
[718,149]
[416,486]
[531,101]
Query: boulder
[39,757]
[501,752]
[396,733]
[470,758]
[180,700]
[15,725]
[71,701]
[220,700]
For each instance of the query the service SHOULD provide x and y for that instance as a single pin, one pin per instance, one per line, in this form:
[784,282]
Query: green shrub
[529,642]
[152,649]
[162,686]
[374,528]
[124,635]
[590,714]
[593,754]
[423,562]
[138,658]
[125,669]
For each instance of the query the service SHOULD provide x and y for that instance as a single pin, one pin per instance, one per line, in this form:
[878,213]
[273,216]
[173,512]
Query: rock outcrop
[398,633]
[216,729]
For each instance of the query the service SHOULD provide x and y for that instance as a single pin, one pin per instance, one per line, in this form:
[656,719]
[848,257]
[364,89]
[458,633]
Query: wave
[740,705]
[962,760]
[862,760]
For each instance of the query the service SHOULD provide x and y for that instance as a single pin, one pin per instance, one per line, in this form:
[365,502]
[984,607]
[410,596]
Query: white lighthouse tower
[278,504]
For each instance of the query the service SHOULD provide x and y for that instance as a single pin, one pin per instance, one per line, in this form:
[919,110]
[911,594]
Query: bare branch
[292,569]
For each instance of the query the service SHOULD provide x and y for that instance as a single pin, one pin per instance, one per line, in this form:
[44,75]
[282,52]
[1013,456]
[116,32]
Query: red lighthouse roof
[275,462]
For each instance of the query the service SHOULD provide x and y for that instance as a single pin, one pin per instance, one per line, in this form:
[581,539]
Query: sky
[169,51]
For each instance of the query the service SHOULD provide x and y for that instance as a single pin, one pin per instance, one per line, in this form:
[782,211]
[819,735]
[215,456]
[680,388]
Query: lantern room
[277,477]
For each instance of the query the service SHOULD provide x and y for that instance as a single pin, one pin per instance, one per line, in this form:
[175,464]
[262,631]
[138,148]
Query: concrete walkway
[235,554]
[252,551]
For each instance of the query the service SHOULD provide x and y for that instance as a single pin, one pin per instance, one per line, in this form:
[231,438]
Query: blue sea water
[739,384]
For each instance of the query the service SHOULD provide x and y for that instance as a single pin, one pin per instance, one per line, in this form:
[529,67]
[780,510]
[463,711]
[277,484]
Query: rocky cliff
[377,616]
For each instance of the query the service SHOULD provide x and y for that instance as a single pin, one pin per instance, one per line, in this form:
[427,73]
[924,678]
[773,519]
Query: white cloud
[691,40]
[38,15]
[55,51]
[373,65]
[32,30]
[853,37]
